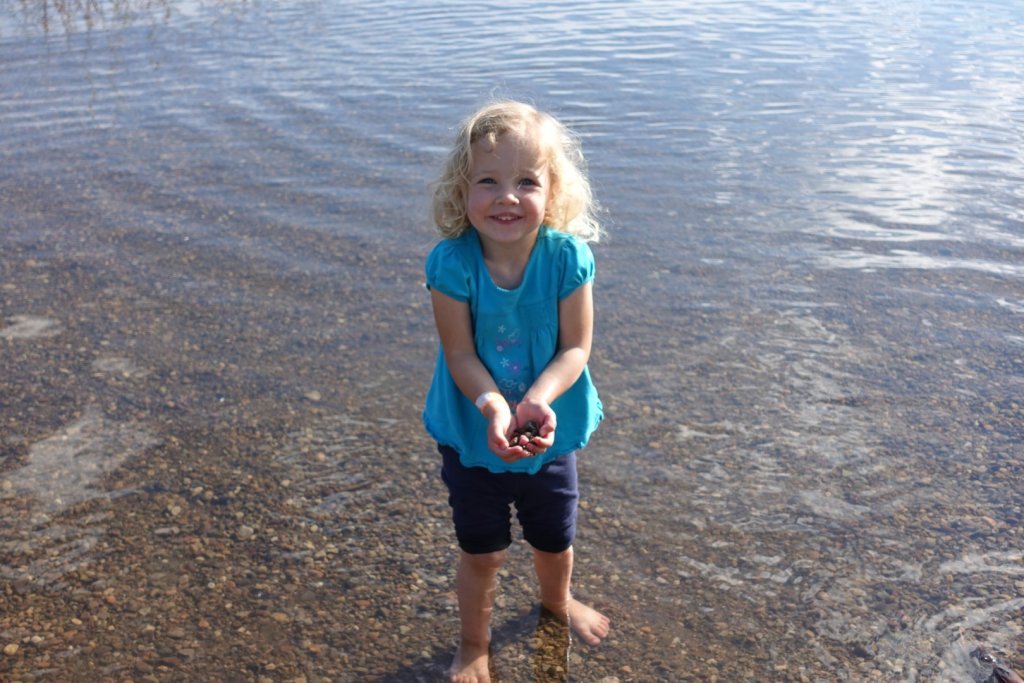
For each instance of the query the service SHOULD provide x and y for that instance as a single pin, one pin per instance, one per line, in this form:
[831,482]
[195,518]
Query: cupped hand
[526,434]
[500,425]
[539,416]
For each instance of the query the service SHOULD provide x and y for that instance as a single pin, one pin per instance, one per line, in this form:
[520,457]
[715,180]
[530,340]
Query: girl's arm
[455,328]
[575,334]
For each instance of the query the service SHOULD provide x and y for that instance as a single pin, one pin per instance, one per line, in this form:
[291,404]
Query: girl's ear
[551,207]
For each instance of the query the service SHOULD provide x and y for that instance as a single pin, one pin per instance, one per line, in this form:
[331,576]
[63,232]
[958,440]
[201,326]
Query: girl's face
[509,185]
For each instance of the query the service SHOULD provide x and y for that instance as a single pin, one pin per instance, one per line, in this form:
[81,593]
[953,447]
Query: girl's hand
[541,417]
[501,426]
[505,431]
[509,447]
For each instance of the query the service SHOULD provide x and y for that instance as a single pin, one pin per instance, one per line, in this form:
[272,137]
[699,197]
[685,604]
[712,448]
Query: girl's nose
[508,197]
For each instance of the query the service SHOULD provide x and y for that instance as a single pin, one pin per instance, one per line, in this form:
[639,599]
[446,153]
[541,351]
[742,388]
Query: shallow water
[215,341]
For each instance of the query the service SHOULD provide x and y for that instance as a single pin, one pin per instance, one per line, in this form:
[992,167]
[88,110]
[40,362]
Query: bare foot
[470,664]
[589,624]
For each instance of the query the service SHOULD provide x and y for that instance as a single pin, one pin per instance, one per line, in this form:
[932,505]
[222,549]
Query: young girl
[511,400]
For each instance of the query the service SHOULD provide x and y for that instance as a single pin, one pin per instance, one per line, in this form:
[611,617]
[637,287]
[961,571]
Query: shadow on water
[536,644]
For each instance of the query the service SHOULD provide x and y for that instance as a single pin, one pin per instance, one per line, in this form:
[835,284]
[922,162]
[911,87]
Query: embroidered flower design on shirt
[504,343]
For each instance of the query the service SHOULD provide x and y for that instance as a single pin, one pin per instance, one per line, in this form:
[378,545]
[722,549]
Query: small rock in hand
[523,435]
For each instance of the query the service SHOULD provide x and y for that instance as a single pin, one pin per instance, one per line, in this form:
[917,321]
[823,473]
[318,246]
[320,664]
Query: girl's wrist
[533,400]
[487,398]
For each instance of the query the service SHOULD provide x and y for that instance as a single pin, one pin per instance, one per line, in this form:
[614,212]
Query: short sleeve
[577,266]
[447,271]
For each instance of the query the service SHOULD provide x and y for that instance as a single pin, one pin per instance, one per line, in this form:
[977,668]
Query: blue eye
[527,181]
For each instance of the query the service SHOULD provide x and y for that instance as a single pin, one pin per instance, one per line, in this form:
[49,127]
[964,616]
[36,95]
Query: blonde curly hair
[570,207]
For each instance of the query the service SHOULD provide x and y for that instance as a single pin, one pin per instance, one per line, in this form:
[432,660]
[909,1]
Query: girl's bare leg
[554,573]
[476,584]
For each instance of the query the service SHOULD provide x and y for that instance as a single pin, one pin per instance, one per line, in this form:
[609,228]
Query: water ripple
[809,304]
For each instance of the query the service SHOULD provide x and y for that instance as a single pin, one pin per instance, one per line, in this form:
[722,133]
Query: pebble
[11,649]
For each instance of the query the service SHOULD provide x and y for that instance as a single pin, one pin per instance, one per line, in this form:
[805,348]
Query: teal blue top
[516,334]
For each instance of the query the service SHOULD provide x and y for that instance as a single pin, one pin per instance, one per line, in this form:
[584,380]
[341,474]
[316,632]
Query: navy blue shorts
[480,499]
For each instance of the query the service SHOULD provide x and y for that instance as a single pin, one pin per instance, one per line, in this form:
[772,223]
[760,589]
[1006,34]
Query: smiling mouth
[505,217]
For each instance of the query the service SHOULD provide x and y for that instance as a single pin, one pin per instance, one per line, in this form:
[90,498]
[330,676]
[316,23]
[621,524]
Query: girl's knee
[550,543]
[552,555]
[483,562]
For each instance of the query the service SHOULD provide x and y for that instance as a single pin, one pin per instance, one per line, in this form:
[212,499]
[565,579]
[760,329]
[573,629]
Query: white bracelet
[485,398]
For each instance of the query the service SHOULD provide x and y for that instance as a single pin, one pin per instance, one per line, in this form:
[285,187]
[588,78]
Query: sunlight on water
[902,258]
[30,327]
[63,469]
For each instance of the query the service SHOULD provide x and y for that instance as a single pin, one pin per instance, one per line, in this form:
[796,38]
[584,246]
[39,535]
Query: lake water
[215,343]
